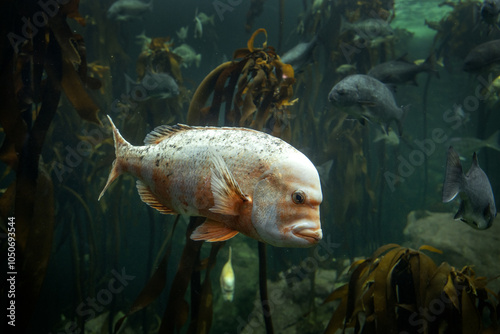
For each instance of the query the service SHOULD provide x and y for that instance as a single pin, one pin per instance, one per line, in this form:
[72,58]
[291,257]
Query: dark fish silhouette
[401,71]
[366,98]
[482,56]
[477,206]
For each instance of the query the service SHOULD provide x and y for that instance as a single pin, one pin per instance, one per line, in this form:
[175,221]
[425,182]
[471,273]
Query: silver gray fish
[468,145]
[366,98]
[401,71]
[482,56]
[368,30]
[127,10]
[300,54]
[153,85]
[477,206]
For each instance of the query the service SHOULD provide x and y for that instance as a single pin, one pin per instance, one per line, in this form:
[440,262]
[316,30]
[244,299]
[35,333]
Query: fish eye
[298,197]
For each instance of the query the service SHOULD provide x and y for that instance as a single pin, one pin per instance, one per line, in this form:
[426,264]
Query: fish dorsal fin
[164,131]
[150,199]
[475,164]
[228,195]
[404,58]
[212,231]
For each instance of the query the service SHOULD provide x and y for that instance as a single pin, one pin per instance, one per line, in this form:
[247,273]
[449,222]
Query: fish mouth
[312,235]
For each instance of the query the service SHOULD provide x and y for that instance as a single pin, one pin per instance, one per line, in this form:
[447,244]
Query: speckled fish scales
[242,180]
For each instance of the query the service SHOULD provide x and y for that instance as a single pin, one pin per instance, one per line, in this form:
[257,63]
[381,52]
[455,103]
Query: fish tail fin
[454,176]
[494,141]
[116,168]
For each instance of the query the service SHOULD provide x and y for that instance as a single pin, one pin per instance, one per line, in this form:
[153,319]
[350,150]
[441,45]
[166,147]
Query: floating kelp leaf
[338,293]
[74,89]
[385,293]
[250,43]
[177,308]
[254,87]
[451,291]
[430,248]
[65,38]
[384,311]
[336,322]
[201,319]
[203,92]
[34,247]
[71,10]
[437,282]
[471,318]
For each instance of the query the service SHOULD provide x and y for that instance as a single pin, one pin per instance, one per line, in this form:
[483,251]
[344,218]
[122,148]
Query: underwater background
[83,264]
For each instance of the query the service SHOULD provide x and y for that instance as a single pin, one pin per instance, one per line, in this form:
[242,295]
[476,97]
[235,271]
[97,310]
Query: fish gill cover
[113,265]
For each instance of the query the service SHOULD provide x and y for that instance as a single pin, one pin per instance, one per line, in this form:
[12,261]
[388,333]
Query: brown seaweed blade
[33,258]
[384,311]
[379,290]
[177,310]
[203,92]
[75,92]
[201,321]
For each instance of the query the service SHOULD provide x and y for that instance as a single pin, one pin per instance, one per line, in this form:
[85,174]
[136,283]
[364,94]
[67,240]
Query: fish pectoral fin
[213,231]
[150,199]
[228,195]
[367,103]
[453,177]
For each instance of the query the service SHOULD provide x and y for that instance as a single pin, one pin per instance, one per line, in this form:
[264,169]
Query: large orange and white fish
[241,180]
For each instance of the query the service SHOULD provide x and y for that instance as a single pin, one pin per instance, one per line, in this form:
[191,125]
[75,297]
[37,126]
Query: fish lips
[309,232]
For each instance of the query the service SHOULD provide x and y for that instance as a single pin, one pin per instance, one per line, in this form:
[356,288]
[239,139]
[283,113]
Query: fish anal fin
[150,199]
[213,231]
[460,212]
[164,131]
[228,195]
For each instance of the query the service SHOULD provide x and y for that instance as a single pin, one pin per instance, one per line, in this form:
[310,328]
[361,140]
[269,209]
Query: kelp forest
[119,266]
